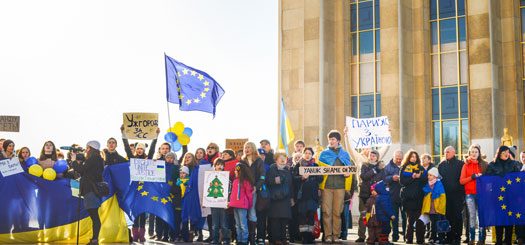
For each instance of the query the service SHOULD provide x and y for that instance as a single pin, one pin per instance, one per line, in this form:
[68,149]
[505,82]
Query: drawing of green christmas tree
[215,190]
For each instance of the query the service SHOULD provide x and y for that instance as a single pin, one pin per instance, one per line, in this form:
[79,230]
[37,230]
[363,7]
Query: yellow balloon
[36,170]
[49,174]
[184,139]
[178,128]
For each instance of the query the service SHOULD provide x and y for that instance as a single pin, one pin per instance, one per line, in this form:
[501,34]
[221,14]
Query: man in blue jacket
[392,181]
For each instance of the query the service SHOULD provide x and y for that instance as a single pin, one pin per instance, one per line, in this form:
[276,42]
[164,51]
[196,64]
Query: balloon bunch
[178,135]
[60,166]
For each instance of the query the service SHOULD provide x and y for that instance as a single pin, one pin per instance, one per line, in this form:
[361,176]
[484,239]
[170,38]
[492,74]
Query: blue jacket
[395,187]
[384,209]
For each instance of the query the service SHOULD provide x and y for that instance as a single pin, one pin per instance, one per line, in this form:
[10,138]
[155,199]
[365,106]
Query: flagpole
[169,117]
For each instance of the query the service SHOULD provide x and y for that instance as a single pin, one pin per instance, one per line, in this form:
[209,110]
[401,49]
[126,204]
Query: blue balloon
[188,131]
[176,146]
[31,161]
[60,166]
[170,137]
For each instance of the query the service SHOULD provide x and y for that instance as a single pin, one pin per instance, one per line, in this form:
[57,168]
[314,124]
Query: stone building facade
[445,72]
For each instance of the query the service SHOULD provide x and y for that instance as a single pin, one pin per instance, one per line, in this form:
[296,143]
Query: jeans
[346,221]
[472,205]
[241,224]
[220,223]
[252,214]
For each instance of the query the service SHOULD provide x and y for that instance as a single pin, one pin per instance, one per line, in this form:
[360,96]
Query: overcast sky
[70,69]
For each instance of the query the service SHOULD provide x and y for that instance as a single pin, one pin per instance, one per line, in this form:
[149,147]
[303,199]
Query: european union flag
[191,89]
[501,200]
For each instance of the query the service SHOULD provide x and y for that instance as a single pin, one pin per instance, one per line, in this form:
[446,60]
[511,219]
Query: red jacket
[230,166]
[241,196]
[469,168]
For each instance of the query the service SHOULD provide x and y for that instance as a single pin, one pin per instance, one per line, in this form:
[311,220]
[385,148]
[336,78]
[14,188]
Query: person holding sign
[8,149]
[91,174]
[139,224]
[334,186]
[306,196]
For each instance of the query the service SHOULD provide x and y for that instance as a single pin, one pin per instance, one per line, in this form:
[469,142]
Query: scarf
[432,182]
[328,157]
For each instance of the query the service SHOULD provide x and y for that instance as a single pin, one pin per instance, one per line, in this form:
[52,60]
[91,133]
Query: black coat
[370,174]
[113,158]
[395,187]
[501,168]
[258,172]
[90,172]
[450,171]
[306,194]
[281,208]
[412,189]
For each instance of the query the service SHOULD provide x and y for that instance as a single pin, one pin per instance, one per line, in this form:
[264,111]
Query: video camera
[75,149]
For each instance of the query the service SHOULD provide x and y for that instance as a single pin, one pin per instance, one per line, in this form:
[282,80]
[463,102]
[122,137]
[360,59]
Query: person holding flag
[334,186]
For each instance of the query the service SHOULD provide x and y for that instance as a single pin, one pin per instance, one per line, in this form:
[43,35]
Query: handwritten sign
[10,123]
[216,189]
[368,132]
[140,126]
[235,144]
[10,167]
[327,170]
[147,170]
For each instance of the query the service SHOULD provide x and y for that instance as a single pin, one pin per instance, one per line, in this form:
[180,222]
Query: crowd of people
[270,200]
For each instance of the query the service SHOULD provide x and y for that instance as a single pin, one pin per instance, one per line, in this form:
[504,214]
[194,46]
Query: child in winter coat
[379,205]
[434,204]
[241,200]
[177,193]
[219,214]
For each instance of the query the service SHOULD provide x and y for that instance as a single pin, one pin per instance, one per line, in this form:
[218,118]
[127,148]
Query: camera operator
[90,172]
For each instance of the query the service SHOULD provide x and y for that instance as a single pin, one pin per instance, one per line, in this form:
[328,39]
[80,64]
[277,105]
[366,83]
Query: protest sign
[147,170]
[216,184]
[327,170]
[10,123]
[140,126]
[11,166]
[368,132]
[235,144]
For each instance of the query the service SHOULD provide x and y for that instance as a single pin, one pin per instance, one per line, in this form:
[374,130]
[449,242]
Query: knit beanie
[435,172]
[375,152]
[185,169]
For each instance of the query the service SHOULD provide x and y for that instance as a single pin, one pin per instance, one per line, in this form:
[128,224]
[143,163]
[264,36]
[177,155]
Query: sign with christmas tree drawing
[216,189]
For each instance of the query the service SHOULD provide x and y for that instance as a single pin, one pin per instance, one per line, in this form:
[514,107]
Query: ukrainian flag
[286,135]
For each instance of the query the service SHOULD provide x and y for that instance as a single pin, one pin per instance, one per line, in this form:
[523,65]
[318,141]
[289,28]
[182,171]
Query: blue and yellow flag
[503,200]
[191,89]
[286,135]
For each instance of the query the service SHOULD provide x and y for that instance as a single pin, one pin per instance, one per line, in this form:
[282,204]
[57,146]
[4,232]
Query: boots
[251,232]
[383,239]
[142,233]
[135,232]
[200,238]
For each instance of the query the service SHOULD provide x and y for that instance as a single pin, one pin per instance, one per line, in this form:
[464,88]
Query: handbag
[443,226]
[316,233]
[263,199]
[101,189]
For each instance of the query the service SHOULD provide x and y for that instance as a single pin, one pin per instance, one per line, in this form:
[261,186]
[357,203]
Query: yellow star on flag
[196,100]
[144,193]
[503,207]
[502,189]
[185,71]
[518,215]
[178,74]
[206,83]
[203,95]
[510,213]
[500,198]
[188,102]
[155,198]
[169,199]
[509,182]
[206,89]
[181,96]
[518,180]
[193,73]
[200,77]
[170,182]
[139,187]
[163,200]
[141,182]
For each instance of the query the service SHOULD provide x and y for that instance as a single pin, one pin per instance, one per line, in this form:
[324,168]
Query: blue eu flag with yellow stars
[501,200]
[191,89]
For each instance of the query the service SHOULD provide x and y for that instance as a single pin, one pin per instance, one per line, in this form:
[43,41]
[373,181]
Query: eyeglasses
[211,147]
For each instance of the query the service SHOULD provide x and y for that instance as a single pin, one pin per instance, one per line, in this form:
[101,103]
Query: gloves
[473,176]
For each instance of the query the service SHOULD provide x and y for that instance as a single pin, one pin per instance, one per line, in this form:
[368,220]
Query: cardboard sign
[235,144]
[147,170]
[216,189]
[10,167]
[327,170]
[140,126]
[10,123]
[368,132]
